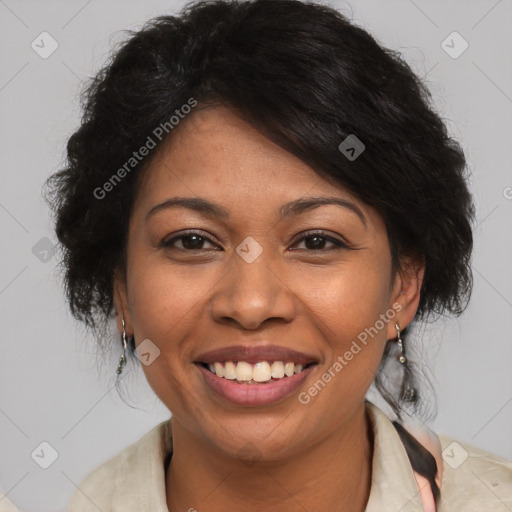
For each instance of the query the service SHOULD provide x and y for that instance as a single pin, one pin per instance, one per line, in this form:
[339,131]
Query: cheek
[164,298]
[347,317]
[347,307]
[164,303]
[347,301]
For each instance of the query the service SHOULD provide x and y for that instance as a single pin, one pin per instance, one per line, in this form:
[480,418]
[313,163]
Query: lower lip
[254,394]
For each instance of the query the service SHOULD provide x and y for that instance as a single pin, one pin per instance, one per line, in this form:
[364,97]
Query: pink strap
[430,440]
[426,494]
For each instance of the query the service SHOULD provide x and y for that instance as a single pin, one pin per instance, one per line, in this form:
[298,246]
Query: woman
[265,198]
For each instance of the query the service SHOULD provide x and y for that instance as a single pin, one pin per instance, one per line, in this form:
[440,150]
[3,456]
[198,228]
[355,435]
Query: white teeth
[277,370]
[230,370]
[243,371]
[219,369]
[262,371]
[288,369]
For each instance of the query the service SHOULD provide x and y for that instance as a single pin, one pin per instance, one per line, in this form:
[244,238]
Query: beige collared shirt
[473,480]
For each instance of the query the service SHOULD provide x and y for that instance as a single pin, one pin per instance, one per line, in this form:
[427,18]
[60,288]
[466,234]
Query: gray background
[51,386]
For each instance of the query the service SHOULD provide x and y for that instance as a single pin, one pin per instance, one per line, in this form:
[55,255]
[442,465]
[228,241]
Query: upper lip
[255,354]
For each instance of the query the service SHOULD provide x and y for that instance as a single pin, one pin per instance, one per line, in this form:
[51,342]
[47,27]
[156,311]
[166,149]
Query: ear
[121,303]
[405,296]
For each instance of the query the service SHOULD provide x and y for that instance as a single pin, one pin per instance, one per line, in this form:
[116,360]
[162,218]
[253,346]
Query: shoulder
[104,486]
[6,505]
[97,488]
[474,479]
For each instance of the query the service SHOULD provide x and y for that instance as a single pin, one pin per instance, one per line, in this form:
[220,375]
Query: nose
[252,293]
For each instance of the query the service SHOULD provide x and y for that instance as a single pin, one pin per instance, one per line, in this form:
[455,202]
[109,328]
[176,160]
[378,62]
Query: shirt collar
[393,487]
[140,479]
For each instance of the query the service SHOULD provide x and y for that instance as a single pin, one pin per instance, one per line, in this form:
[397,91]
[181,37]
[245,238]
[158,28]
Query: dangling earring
[401,357]
[122,361]
[407,392]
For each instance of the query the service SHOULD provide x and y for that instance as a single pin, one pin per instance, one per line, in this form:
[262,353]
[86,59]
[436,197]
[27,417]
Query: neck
[335,474]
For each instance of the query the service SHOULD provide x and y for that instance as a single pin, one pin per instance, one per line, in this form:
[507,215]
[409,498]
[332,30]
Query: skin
[316,299]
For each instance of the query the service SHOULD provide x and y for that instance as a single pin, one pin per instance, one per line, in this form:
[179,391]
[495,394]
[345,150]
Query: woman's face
[250,278]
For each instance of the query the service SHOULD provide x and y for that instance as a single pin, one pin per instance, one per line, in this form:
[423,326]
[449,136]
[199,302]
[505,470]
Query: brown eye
[190,241]
[317,241]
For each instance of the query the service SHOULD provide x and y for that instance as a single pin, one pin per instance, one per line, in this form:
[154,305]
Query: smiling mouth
[261,372]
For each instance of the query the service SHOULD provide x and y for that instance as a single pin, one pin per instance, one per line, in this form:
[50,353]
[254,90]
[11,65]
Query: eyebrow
[291,209]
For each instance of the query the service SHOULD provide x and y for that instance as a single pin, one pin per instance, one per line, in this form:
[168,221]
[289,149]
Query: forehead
[214,153]
[216,146]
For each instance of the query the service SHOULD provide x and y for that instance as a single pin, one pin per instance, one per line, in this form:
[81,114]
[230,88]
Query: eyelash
[338,244]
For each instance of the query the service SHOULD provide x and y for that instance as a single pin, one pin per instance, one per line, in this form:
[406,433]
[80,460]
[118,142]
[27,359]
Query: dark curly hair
[304,76]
